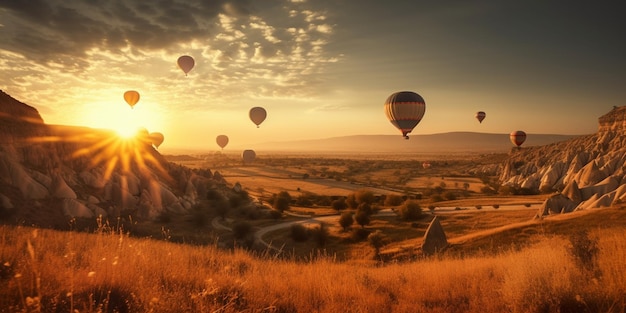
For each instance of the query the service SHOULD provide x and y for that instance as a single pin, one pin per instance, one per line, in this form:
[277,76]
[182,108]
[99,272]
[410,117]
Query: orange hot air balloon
[257,115]
[248,156]
[405,110]
[480,116]
[222,141]
[518,137]
[186,63]
[156,139]
[131,97]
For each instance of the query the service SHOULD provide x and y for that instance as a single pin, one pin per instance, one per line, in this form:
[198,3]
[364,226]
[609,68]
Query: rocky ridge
[584,172]
[51,173]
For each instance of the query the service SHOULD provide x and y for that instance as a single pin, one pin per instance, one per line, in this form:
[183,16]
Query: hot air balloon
[257,115]
[405,110]
[480,116]
[222,141]
[186,63]
[131,97]
[518,137]
[156,139]
[248,156]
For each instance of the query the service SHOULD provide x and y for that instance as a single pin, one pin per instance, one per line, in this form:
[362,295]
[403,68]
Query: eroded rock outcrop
[85,173]
[585,172]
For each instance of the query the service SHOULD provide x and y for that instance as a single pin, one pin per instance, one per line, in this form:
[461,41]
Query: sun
[127,122]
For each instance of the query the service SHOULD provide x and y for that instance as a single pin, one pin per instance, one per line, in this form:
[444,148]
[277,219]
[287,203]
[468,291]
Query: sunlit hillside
[107,271]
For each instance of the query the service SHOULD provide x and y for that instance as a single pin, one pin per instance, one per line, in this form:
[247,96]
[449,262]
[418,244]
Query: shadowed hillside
[50,174]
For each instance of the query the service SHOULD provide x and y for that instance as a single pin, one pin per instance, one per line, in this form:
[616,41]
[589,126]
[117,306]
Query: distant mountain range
[452,142]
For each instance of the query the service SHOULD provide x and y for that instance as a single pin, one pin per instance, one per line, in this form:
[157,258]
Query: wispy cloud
[241,50]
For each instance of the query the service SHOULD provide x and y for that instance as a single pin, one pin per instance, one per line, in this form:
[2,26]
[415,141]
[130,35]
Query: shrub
[242,229]
[410,210]
[320,235]
[299,233]
[359,234]
[496,206]
[450,195]
[585,250]
[436,198]
[275,214]
[282,201]
[362,218]
[346,220]
[393,200]
[339,204]
[364,196]
[479,207]
[365,207]
[377,240]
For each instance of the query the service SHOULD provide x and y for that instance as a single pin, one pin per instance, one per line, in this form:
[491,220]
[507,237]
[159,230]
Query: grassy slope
[64,270]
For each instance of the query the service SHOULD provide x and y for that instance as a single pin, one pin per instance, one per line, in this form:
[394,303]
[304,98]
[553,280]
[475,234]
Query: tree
[377,240]
[364,196]
[410,210]
[339,204]
[282,201]
[299,233]
[362,218]
[346,220]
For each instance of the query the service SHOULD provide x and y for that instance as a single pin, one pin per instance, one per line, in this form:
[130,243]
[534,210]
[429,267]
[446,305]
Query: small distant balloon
[257,115]
[248,156]
[156,139]
[480,116]
[518,137]
[405,110]
[222,141]
[131,97]
[186,63]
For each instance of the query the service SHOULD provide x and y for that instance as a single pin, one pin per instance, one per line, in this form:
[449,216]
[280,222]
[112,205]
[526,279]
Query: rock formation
[434,238]
[71,172]
[585,172]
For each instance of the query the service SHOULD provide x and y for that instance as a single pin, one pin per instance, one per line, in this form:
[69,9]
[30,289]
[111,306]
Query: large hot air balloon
[518,137]
[248,156]
[222,141]
[186,63]
[480,116]
[156,139]
[257,115]
[131,97]
[405,110]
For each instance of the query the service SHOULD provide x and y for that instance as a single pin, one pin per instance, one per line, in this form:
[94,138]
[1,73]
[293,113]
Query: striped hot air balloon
[518,137]
[405,110]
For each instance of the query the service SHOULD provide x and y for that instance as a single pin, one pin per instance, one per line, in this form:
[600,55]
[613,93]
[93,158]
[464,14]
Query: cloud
[270,49]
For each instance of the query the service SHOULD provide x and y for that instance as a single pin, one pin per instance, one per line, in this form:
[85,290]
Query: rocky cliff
[585,172]
[50,173]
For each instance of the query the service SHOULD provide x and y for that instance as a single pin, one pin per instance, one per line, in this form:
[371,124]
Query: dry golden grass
[51,271]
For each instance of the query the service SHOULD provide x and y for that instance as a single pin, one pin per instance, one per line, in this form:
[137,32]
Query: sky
[320,68]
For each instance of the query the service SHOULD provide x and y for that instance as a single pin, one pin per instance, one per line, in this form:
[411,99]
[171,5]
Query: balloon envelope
[131,97]
[186,63]
[156,139]
[248,156]
[480,116]
[257,115]
[222,141]
[518,137]
[405,110]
